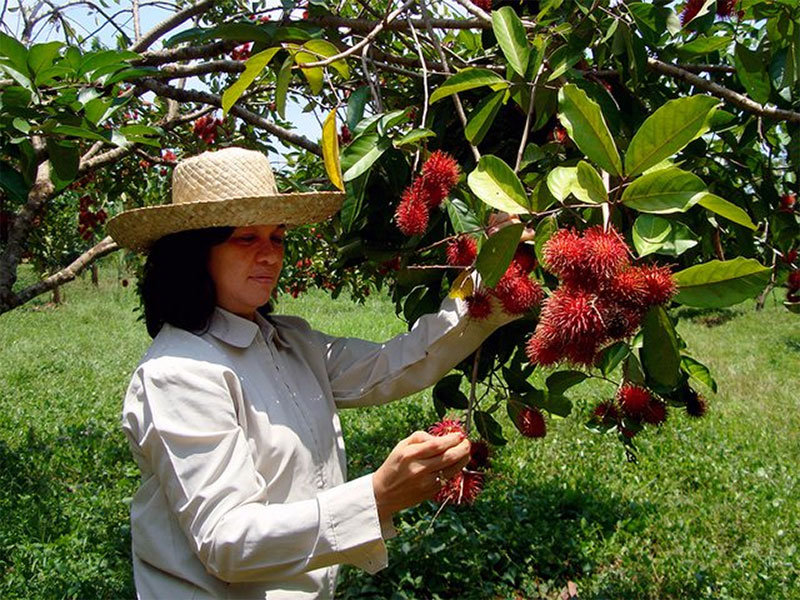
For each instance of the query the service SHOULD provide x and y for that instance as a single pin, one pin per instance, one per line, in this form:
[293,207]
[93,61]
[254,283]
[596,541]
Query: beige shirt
[244,492]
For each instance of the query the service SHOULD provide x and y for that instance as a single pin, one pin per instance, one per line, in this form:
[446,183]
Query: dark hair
[177,287]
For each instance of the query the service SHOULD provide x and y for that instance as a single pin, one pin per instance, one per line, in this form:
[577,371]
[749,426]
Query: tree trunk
[57,295]
[95,275]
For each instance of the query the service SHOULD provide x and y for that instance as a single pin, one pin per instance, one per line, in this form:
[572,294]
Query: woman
[232,413]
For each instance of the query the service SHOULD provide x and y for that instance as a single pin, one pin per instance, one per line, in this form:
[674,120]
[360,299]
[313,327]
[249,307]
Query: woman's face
[246,266]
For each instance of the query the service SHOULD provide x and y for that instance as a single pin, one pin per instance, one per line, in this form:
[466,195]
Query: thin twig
[424,119]
[525,131]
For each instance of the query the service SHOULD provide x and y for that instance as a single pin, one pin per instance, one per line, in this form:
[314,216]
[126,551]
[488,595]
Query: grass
[710,511]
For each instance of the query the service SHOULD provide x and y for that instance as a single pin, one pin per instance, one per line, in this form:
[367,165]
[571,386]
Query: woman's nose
[269,252]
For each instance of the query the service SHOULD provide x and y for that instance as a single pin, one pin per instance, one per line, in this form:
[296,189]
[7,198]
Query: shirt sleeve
[182,414]
[365,373]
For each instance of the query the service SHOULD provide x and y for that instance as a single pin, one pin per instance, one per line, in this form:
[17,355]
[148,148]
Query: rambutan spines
[564,254]
[634,400]
[524,259]
[446,426]
[696,405]
[690,10]
[659,284]
[606,252]
[655,413]
[478,305]
[531,423]
[412,213]
[574,315]
[464,488]
[441,170]
[606,412]
[461,251]
[726,8]
[517,292]
[479,454]
[544,348]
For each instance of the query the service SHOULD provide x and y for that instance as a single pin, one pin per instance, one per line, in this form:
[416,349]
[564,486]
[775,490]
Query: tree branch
[169,24]
[363,25]
[726,94]
[160,57]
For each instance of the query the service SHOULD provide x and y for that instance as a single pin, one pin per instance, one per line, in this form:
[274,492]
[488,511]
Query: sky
[85,22]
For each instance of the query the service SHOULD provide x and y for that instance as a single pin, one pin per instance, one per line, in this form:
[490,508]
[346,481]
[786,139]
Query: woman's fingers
[501,219]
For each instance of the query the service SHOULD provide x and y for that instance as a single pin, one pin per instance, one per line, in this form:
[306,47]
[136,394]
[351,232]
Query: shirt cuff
[350,511]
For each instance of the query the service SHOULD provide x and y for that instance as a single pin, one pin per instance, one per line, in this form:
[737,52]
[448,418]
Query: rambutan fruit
[606,252]
[439,174]
[634,399]
[543,348]
[446,426]
[659,283]
[582,351]
[793,280]
[606,412]
[690,10]
[464,488]
[696,405]
[412,213]
[530,422]
[565,254]
[656,412]
[628,287]
[478,305]
[726,8]
[524,258]
[461,251]
[621,321]
[478,455]
[574,315]
[484,4]
[518,293]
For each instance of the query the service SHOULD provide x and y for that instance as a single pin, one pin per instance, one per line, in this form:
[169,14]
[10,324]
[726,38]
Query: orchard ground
[710,511]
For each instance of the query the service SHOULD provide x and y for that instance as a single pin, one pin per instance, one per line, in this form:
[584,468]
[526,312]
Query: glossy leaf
[717,284]
[468,79]
[679,240]
[697,370]
[561,181]
[585,124]
[254,66]
[726,209]
[355,106]
[590,185]
[330,150]
[544,230]
[649,233]
[362,153]
[282,81]
[668,130]
[665,191]
[448,393]
[612,356]
[481,119]
[660,353]
[41,56]
[752,73]
[322,49]
[497,252]
[413,137]
[510,33]
[494,182]
[560,381]
[489,428]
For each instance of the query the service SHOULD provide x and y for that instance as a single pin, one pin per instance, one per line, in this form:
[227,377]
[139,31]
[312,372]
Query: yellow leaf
[330,150]
[463,286]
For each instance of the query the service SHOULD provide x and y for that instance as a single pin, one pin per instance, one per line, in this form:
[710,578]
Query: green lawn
[710,510]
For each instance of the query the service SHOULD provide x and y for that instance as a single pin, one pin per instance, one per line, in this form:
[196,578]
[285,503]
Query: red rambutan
[659,283]
[574,315]
[787,202]
[628,287]
[439,173]
[464,488]
[621,321]
[565,254]
[484,4]
[606,252]
[412,215]
[656,412]
[606,412]
[478,305]
[793,280]
[543,348]
[446,426]
[478,455]
[634,399]
[726,8]
[530,422]
[518,293]
[524,258]
[690,10]
[696,405]
[461,251]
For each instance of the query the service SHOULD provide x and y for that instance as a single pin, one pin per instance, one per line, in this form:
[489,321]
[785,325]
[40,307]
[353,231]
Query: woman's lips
[263,278]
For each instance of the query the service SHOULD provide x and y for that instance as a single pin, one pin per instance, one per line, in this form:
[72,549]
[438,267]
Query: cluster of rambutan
[426,192]
[601,297]
[517,292]
[725,8]
[793,283]
[465,487]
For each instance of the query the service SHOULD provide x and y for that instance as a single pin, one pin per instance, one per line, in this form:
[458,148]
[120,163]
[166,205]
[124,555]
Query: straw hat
[231,187]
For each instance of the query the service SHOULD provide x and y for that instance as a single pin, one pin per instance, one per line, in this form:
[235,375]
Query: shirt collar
[232,329]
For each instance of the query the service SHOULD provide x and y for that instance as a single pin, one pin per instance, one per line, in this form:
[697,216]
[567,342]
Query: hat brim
[139,228]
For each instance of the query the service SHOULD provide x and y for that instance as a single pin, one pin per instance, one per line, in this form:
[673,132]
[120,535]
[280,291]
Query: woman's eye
[278,240]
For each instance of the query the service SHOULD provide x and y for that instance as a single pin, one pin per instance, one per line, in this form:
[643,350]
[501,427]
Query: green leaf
[632,369]
[612,356]
[585,124]
[64,160]
[254,66]
[448,393]
[489,429]
[590,185]
[668,130]
[665,191]
[468,79]
[330,150]
[511,38]
[15,52]
[481,119]
[21,125]
[703,45]
[717,284]
[680,239]
[494,182]
[41,56]
[362,153]
[561,181]
[80,132]
[129,74]
[660,354]
[497,252]
[752,73]
[94,61]
[461,217]
[322,49]
[13,182]
[355,106]
[544,230]
[562,59]
[413,137]
[649,233]
[560,381]
[726,209]
[282,85]
[557,404]
[697,370]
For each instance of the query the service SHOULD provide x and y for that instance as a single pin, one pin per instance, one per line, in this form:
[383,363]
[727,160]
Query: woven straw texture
[230,187]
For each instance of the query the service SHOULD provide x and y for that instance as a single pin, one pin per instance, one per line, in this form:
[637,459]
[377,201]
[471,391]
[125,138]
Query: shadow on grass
[61,505]
[710,317]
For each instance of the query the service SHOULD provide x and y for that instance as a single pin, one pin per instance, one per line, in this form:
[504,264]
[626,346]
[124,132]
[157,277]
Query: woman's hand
[501,219]
[415,469]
